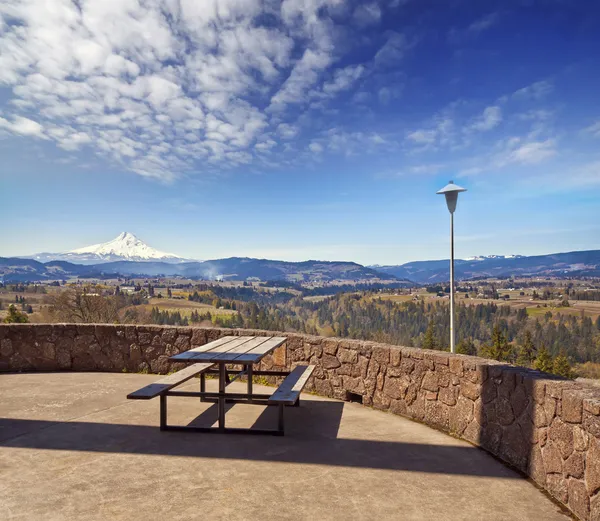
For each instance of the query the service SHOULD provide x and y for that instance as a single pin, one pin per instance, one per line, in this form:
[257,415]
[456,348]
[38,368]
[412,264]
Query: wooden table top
[232,349]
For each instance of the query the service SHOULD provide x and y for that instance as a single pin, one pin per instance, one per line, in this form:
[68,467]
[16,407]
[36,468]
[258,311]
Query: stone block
[515,446]
[550,409]
[561,434]
[381,354]
[330,345]
[355,385]
[407,365]
[145,338]
[436,413]
[472,433]
[198,336]
[394,388]
[330,362]
[456,365]
[448,395]
[504,411]
[592,405]
[595,508]
[580,438]
[536,468]
[572,406]
[574,465]
[381,400]
[557,486]
[591,423]
[470,390]
[280,356]
[430,381]
[519,400]
[398,407]
[592,468]
[579,501]
[347,356]
[395,357]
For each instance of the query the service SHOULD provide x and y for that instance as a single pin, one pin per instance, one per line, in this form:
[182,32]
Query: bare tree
[85,305]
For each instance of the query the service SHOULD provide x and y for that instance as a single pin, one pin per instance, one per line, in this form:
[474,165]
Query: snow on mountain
[488,257]
[125,247]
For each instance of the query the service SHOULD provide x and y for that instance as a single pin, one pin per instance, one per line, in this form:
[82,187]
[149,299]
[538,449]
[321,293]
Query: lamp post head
[451,192]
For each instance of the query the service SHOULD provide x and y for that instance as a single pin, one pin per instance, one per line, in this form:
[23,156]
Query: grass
[588,370]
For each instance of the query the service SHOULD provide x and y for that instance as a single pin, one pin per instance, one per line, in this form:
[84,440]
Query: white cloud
[535,91]
[343,79]
[534,152]
[491,118]
[23,126]
[367,14]
[315,147]
[593,129]
[483,23]
[422,137]
[392,51]
[164,87]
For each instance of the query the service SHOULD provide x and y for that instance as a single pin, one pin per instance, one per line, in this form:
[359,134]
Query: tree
[15,317]
[466,347]
[86,305]
[430,341]
[527,351]
[561,367]
[544,362]
[500,349]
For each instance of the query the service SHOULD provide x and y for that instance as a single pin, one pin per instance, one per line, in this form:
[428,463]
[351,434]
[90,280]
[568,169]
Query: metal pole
[452,348]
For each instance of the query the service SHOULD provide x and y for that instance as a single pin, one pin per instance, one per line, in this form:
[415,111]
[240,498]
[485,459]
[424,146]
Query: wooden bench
[168,382]
[288,392]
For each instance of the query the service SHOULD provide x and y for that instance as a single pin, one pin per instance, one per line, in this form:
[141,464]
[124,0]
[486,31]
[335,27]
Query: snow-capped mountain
[125,247]
[488,257]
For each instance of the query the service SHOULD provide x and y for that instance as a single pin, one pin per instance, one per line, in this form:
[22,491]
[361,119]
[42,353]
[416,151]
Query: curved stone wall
[546,427]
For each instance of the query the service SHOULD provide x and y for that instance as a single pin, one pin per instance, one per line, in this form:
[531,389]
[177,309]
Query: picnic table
[217,358]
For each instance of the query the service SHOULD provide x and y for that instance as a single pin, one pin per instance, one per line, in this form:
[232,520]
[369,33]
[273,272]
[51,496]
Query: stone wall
[546,427]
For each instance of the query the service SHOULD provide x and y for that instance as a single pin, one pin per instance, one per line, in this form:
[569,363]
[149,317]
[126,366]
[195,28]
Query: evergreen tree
[500,349]
[430,341]
[466,347]
[561,367]
[527,351]
[544,362]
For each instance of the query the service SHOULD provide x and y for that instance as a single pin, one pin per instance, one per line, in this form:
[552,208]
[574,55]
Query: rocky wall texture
[546,427]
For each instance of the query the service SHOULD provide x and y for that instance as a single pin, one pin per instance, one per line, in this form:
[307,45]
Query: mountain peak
[126,246]
[123,236]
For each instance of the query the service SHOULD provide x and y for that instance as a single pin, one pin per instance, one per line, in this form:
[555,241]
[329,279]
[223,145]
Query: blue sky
[302,129]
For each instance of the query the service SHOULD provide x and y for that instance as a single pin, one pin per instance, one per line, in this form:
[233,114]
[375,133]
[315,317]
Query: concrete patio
[72,447]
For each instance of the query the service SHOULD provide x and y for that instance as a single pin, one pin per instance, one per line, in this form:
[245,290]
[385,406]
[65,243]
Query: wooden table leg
[249,374]
[222,396]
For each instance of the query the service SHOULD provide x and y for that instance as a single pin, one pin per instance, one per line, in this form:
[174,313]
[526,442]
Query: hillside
[234,268]
[571,264]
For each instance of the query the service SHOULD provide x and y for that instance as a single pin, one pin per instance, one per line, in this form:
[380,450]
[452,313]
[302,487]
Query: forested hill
[234,268]
[573,264]
[490,330]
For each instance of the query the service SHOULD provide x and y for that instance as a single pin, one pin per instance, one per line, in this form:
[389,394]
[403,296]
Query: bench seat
[165,384]
[289,390]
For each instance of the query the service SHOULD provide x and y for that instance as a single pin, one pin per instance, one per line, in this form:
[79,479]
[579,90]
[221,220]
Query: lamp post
[451,192]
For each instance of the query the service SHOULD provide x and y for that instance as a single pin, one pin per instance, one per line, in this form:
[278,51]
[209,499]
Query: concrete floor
[72,447]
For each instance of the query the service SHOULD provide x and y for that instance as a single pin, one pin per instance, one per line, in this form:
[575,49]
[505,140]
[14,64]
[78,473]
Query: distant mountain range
[125,247]
[572,264]
[234,268]
[126,255]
